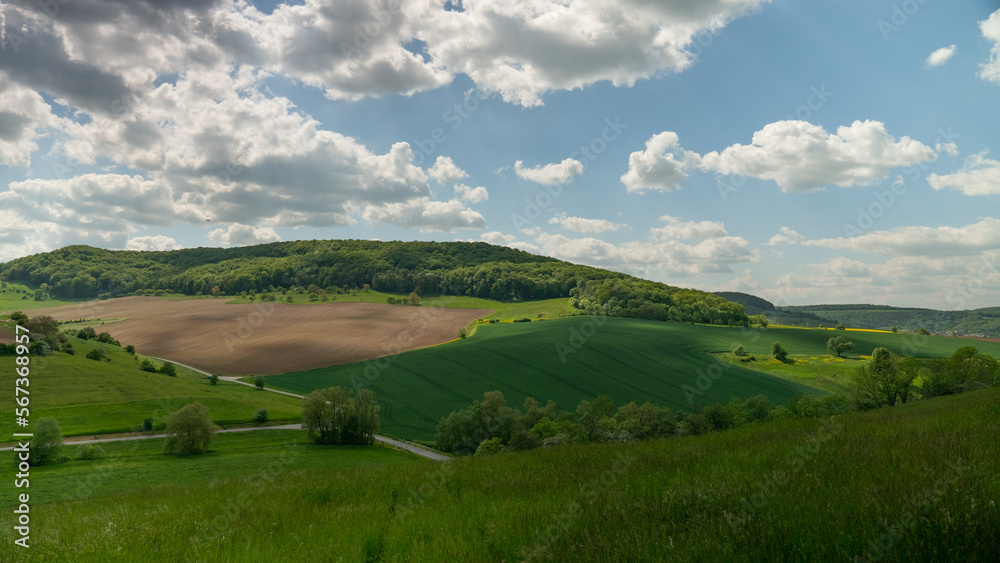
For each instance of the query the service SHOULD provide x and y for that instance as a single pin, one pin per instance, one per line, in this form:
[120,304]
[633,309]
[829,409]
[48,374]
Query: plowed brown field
[269,338]
[6,336]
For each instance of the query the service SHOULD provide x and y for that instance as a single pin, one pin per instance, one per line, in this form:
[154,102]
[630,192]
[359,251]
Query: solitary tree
[46,445]
[43,324]
[894,329]
[924,332]
[841,327]
[189,430]
[881,381]
[414,298]
[259,382]
[739,351]
[838,345]
[778,352]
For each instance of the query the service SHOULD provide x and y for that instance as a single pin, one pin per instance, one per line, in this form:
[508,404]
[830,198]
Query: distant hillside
[751,303]
[428,268]
[980,322]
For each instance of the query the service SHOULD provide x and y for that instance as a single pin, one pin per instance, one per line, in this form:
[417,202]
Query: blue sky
[806,152]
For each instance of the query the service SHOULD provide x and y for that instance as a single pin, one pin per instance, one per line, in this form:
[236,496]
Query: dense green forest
[428,268]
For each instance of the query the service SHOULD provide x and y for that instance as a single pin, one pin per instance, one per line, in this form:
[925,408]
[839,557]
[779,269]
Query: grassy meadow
[98,397]
[791,490]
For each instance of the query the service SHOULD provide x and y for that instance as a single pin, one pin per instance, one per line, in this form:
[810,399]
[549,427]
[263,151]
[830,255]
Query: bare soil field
[6,336]
[269,338]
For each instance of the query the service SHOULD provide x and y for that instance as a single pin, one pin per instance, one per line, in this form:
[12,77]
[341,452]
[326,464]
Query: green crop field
[95,397]
[625,358]
[792,490]
[19,297]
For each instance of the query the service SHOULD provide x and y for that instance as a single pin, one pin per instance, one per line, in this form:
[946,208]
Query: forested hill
[429,268]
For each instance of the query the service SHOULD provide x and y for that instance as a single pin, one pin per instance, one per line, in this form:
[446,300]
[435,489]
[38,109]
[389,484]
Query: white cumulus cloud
[445,171]
[990,27]
[471,195]
[940,56]
[979,176]
[802,157]
[582,225]
[550,174]
[154,242]
[661,166]
[243,235]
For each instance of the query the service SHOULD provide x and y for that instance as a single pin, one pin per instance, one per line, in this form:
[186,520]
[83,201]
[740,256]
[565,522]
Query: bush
[106,338]
[95,354]
[260,415]
[779,353]
[90,452]
[86,333]
[213,379]
[46,445]
[147,424]
[462,333]
[168,369]
[739,351]
[259,383]
[334,416]
[189,430]
[491,446]
[147,365]
[841,327]
[130,349]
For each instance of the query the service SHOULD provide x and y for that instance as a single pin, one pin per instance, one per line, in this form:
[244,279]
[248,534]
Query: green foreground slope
[626,359]
[792,490]
[96,397]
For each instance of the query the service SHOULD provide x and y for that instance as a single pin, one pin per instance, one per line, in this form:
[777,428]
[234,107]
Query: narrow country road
[412,448]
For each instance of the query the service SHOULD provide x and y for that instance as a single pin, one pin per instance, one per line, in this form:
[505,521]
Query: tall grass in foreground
[918,482]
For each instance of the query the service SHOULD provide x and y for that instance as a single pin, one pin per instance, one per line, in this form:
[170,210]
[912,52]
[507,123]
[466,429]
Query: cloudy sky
[808,151]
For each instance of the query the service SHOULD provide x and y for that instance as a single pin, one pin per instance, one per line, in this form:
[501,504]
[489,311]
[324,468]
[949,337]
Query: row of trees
[490,425]
[635,298]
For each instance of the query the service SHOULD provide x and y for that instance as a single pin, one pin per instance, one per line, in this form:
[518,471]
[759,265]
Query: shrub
[90,452]
[46,445]
[739,351]
[213,379]
[259,383]
[778,352]
[147,424]
[260,415]
[106,338]
[130,349]
[462,332]
[189,430]
[86,333]
[69,350]
[491,446]
[147,365]
[95,354]
[841,327]
[168,369]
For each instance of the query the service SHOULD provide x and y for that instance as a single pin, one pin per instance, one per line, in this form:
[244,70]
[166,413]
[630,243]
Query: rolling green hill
[98,397]
[446,269]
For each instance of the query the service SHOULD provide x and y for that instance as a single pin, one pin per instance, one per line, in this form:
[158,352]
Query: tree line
[490,426]
[427,268]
